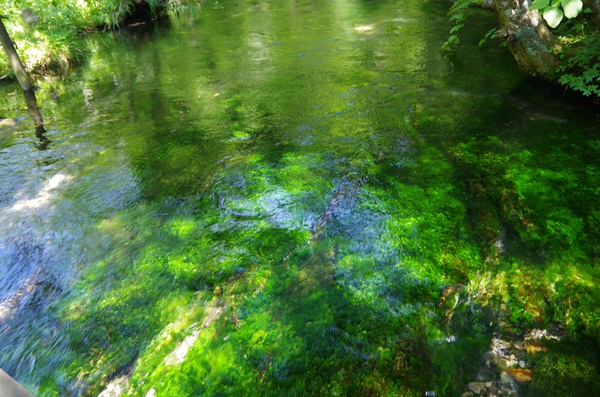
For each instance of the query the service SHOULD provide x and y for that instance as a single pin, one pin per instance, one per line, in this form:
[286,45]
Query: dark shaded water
[322,163]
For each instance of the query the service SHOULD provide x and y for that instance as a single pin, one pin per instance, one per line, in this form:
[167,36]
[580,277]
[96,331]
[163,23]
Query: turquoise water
[291,198]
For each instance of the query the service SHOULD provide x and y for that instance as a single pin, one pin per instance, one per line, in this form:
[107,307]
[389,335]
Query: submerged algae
[353,311]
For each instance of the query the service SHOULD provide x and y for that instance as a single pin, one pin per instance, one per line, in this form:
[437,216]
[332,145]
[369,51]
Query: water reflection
[38,121]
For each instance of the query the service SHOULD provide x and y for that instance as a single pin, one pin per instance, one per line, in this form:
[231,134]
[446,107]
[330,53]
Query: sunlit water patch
[51,201]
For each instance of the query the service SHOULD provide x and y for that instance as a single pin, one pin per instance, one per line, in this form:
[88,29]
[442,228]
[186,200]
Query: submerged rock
[506,378]
[504,365]
[177,356]
[117,387]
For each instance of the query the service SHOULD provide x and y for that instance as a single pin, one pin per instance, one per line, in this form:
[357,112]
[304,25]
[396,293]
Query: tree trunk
[13,58]
[17,66]
[529,38]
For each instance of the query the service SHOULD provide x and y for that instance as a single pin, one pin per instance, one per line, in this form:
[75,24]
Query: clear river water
[292,198]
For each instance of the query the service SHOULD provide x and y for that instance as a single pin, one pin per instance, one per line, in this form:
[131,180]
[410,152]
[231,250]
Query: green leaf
[456,28]
[553,15]
[459,5]
[458,17]
[555,3]
[539,4]
[572,7]
[482,41]
[453,40]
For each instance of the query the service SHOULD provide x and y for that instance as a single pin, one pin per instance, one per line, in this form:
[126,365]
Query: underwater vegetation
[396,286]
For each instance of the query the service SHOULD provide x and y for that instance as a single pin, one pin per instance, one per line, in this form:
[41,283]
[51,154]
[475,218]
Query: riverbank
[49,35]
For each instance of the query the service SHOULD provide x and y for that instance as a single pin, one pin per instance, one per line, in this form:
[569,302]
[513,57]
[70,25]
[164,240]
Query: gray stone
[467,394]
[476,387]
[506,379]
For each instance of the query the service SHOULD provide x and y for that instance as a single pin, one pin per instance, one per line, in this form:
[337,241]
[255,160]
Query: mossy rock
[566,369]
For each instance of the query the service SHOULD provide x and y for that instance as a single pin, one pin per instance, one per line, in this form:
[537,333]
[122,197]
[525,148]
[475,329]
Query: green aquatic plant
[539,249]
[175,282]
